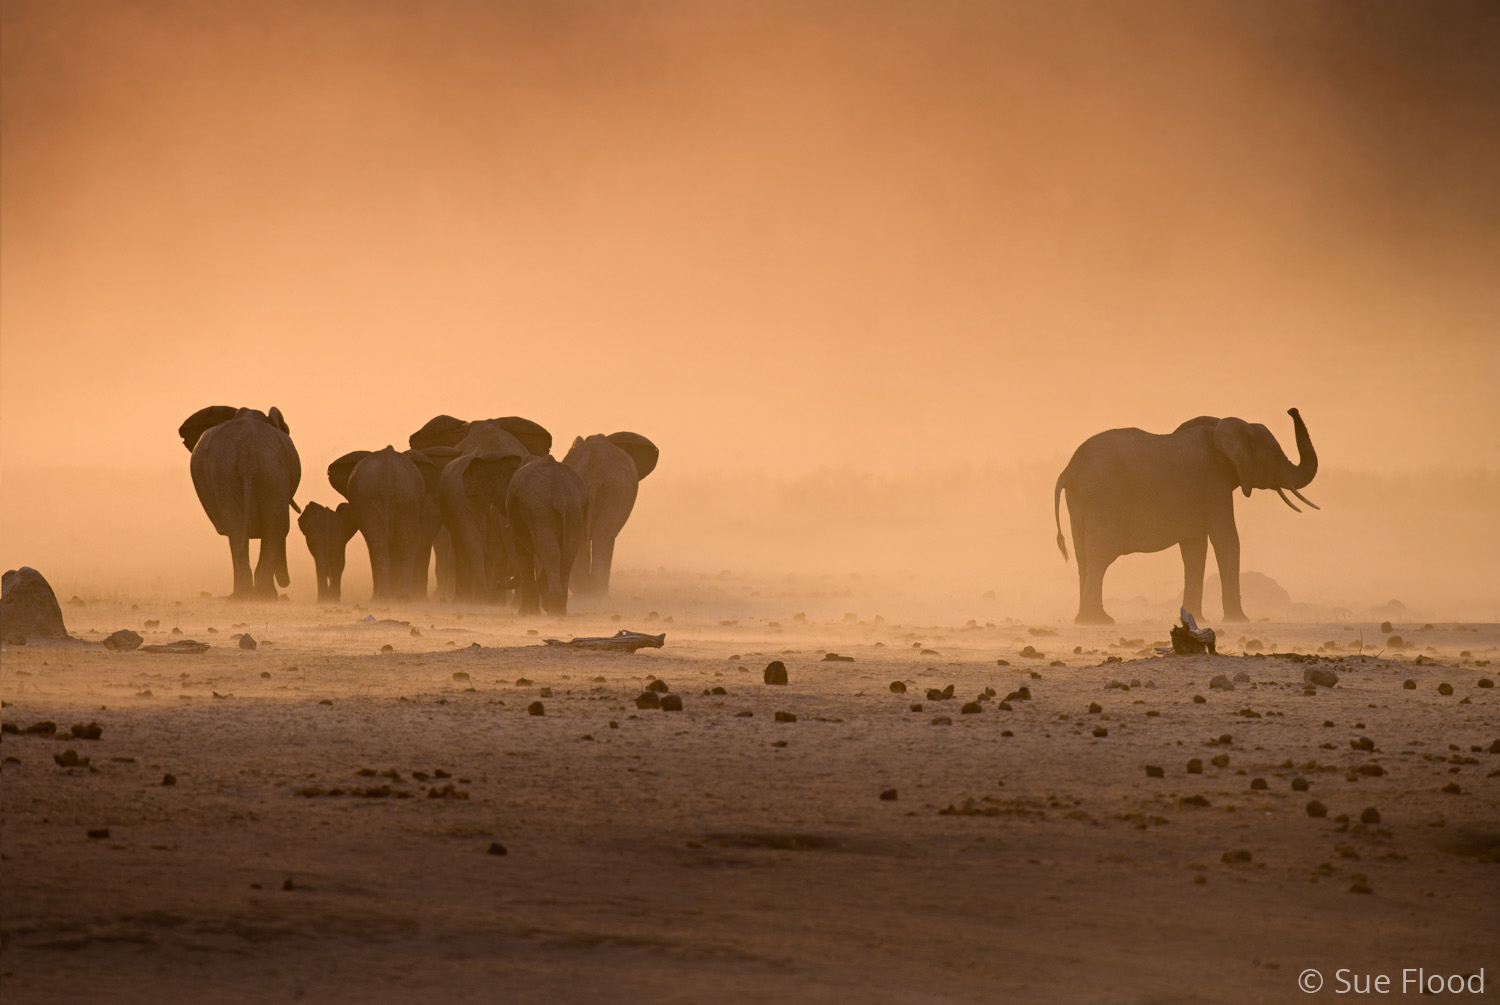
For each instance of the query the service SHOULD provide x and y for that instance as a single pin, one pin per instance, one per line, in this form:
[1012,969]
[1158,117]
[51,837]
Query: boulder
[29,607]
[123,641]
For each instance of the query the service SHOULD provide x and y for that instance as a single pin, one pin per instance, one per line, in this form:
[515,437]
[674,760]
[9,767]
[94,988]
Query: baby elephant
[546,503]
[328,532]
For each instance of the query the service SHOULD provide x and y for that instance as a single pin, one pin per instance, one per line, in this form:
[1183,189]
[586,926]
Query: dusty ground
[710,856]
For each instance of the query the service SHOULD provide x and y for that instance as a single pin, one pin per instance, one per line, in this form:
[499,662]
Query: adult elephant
[471,494]
[612,468]
[545,503]
[1132,491]
[246,470]
[389,495]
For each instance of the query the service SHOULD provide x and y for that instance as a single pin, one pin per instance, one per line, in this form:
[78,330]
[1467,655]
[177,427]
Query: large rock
[124,640]
[28,607]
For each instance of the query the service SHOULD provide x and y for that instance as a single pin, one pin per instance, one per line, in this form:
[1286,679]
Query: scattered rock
[99,833]
[1155,771]
[671,703]
[387,648]
[836,658]
[44,728]
[1193,801]
[971,707]
[1316,809]
[915,706]
[1300,784]
[1320,677]
[1385,626]
[185,647]
[1360,888]
[776,673]
[91,731]
[496,848]
[1198,699]
[460,675]
[1095,708]
[1221,683]
[247,641]
[1259,783]
[659,686]
[28,607]
[69,759]
[1101,731]
[1452,789]
[169,779]
[786,717]
[123,641]
[1485,682]
[1410,685]
[889,795]
[1370,816]
[1362,743]
[942,720]
[1219,760]
[1445,689]
[1195,767]
[1239,856]
[898,687]
[536,708]
[648,699]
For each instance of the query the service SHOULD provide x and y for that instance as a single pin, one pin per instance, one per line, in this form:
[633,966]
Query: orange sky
[771,236]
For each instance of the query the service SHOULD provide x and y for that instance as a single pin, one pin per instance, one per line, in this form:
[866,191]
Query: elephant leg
[442,547]
[603,557]
[1092,562]
[468,562]
[526,573]
[1226,542]
[270,566]
[1194,555]
[239,555]
[379,547]
[579,573]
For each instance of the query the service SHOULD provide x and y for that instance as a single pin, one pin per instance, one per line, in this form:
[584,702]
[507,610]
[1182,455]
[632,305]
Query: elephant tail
[1062,544]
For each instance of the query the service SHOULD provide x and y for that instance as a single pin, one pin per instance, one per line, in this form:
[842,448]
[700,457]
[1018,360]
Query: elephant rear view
[545,503]
[1132,491]
[246,470]
[612,468]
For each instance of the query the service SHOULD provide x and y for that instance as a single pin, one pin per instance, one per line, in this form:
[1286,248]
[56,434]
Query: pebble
[1155,771]
[1095,708]
[169,779]
[1221,683]
[1241,677]
[536,708]
[916,706]
[388,648]
[898,687]
[496,848]
[1195,767]
[1005,706]
[889,795]
[99,833]
[1316,809]
[1485,682]
[1371,769]
[1236,857]
[1360,888]
[746,714]
[717,690]
[1362,743]
[1452,789]
[1259,783]
[942,720]
[1445,689]
[1320,676]
[671,703]
[775,672]
[1193,801]
[934,694]
[659,686]
[1410,685]
[1101,731]
[247,642]
[1198,699]
[457,675]
[786,717]
[1370,816]
[648,699]
[971,707]
[1219,760]
[1300,785]
[92,731]
[836,658]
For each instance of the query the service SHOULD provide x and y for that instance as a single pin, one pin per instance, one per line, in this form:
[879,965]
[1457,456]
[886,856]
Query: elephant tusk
[1304,498]
[1288,501]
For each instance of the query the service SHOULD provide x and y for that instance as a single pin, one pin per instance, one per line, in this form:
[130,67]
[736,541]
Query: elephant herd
[500,512]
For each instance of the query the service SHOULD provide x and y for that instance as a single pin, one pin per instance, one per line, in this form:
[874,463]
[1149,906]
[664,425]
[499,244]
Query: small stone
[523,682]
[99,833]
[1374,770]
[1300,784]
[460,675]
[775,672]
[1237,857]
[1195,767]
[44,728]
[915,706]
[659,686]
[1360,888]
[942,720]
[1193,801]
[536,708]
[971,707]
[1221,683]
[648,699]
[1485,682]
[246,642]
[1155,771]
[92,731]
[1445,689]
[1259,783]
[1370,816]
[1101,731]
[1362,743]
[717,690]
[934,694]
[69,759]
[786,717]
[898,687]
[1198,699]
[889,795]
[1219,760]
[746,714]
[496,848]
[1240,677]
[169,779]
[265,675]
[387,648]
[671,703]
[1453,789]
[1095,708]
[836,658]
[1410,685]
[1005,706]
[1385,626]
[1316,809]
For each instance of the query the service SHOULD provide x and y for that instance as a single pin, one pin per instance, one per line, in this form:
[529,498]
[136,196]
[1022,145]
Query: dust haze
[867,274]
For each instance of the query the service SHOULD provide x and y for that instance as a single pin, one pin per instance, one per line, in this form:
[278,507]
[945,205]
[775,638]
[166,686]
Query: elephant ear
[274,418]
[1202,420]
[431,470]
[488,476]
[1232,439]
[346,517]
[340,470]
[640,449]
[441,456]
[312,515]
[202,421]
[533,437]
[440,431]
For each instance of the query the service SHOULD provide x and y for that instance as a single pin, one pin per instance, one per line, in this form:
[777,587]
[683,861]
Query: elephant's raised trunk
[1295,476]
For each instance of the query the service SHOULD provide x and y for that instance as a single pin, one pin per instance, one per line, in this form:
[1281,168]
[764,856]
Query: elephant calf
[1133,491]
[328,532]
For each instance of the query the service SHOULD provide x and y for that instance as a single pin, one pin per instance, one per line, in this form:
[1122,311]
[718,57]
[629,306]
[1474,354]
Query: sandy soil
[708,855]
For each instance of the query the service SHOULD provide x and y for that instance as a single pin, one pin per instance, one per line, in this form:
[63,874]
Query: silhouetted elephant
[471,494]
[545,503]
[1132,491]
[612,468]
[246,470]
[328,532]
[390,499]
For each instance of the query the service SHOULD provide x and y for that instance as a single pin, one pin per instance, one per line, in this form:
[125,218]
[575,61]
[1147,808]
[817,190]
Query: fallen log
[620,642]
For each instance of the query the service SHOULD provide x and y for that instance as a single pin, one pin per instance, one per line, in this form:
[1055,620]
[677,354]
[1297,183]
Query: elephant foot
[1093,618]
[1235,615]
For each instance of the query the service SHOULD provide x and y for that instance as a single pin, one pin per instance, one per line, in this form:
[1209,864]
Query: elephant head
[641,450]
[328,532]
[1260,463]
[201,421]
[340,470]
[440,431]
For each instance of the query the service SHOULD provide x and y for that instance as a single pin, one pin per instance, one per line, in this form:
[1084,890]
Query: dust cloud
[867,273]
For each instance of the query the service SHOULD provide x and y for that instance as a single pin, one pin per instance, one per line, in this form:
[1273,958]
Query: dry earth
[708,855]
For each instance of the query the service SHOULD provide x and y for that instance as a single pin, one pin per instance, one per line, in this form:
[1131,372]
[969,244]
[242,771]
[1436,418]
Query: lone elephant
[612,468]
[246,470]
[545,503]
[1131,491]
